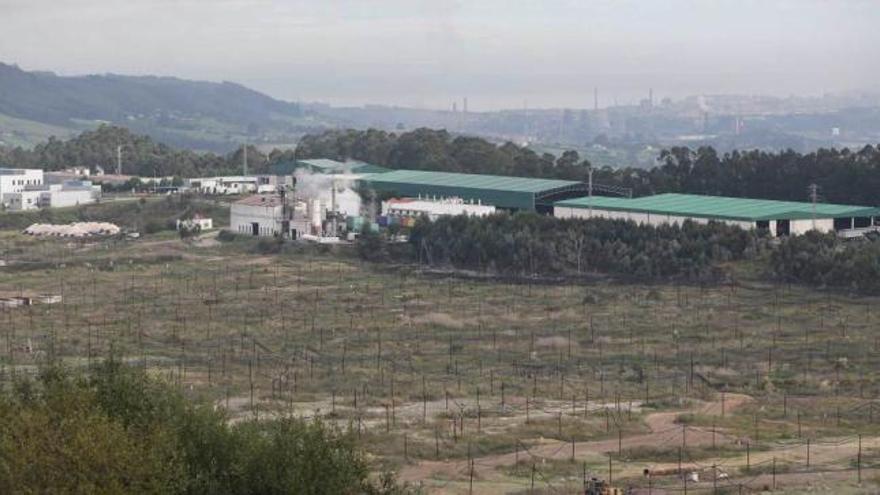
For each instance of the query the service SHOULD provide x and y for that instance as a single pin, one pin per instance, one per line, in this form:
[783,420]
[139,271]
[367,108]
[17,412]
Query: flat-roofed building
[260,215]
[70,193]
[16,180]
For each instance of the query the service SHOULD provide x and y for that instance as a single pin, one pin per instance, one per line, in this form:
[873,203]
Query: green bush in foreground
[119,431]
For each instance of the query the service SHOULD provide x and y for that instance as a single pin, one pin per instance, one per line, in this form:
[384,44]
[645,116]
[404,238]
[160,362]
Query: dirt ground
[450,382]
[662,426]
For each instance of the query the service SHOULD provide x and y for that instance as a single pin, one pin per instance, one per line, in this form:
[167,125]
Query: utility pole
[590,183]
[333,205]
[119,160]
[814,196]
[244,158]
[859,460]
[590,189]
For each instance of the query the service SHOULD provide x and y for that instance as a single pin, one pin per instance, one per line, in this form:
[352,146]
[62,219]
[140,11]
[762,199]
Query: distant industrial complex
[325,200]
[316,211]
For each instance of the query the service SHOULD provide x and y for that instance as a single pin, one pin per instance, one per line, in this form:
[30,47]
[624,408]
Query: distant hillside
[192,114]
[219,117]
[141,155]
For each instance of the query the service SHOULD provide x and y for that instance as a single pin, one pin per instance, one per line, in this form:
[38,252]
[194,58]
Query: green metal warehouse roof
[497,190]
[690,205]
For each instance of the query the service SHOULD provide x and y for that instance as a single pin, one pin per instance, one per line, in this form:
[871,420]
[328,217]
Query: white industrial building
[196,222]
[78,171]
[434,207]
[70,193]
[260,215]
[777,217]
[236,184]
[15,180]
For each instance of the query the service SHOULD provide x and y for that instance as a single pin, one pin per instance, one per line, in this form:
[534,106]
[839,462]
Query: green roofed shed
[723,208]
[501,191]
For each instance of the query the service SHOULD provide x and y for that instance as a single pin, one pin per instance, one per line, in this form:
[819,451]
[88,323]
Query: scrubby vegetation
[430,371]
[528,244]
[143,215]
[826,260]
[117,430]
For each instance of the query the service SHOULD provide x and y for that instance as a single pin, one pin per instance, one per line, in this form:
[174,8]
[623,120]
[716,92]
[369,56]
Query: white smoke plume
[310,185]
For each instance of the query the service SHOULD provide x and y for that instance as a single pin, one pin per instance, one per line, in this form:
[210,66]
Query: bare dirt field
[466,385]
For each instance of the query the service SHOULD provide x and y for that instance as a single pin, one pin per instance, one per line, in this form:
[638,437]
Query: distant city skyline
[429,54]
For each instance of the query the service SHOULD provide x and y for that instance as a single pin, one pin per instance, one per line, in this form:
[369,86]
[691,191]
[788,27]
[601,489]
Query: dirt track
[661,425]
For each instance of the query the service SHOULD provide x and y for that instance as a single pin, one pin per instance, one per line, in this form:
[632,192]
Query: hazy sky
[429,53]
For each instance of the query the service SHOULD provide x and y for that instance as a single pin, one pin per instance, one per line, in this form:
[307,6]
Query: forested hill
[194,114]
[45,97]
[141,155]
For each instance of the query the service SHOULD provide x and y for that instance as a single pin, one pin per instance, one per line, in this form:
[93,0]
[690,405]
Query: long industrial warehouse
[503,192]
[779,217]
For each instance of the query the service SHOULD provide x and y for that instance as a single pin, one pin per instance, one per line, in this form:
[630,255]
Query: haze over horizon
[429,54]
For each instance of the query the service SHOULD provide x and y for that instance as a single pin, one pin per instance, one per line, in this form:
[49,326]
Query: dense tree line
[528,244]
[140,156]
[428,149]
[117,430]
[827,261]
[843,176]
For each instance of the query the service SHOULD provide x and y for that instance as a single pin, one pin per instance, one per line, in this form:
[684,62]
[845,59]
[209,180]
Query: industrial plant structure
[232,184]
[434,207]
[261,215]
[778,217]
[322,185]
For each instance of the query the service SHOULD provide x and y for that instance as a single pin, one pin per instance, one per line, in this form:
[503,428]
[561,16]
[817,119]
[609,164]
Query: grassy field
[27,133]
[458,383]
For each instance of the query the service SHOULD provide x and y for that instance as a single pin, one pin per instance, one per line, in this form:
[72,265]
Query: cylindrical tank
[315,212]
